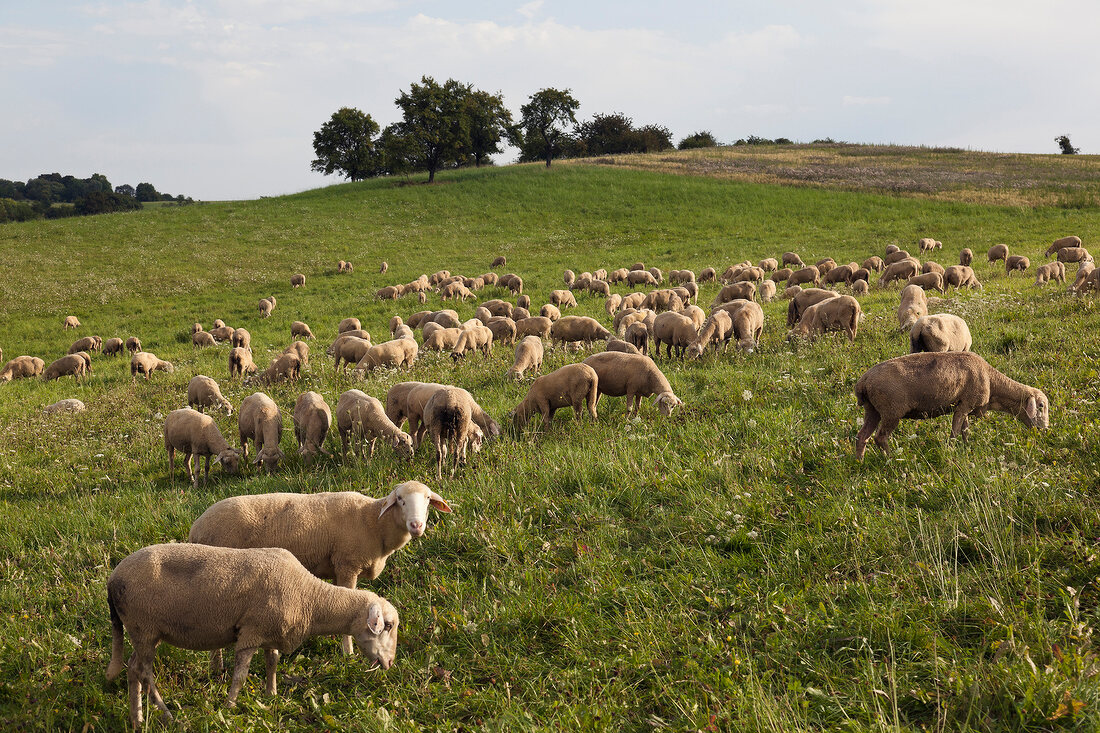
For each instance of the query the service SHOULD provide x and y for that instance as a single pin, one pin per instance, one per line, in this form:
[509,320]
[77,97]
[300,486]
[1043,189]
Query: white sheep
[360,417]
[196,434]
[943,332]
[261,422]
[448,419]
[312,419]
[204,392]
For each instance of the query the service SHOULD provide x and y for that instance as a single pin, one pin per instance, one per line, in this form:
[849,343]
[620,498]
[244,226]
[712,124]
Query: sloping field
[732,567]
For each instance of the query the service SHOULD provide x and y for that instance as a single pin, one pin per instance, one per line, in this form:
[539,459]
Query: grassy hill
[730,567]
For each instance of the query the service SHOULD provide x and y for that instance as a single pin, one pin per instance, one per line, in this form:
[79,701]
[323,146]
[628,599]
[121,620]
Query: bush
[702,139]
[11,210]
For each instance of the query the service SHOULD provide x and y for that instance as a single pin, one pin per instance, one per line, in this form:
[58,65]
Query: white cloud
[529,10]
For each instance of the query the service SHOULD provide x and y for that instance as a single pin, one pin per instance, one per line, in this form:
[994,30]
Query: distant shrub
[1066,145]
[11,210]
[701,139]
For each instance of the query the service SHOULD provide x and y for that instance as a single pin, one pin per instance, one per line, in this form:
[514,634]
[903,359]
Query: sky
[219,99]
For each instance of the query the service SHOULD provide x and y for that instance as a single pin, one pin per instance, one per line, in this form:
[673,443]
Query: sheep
[624,319]
[695,313]
[833,314]
[707,275]
[599,287]
[299,349]
[966,257]
[300,329]
[1086,279]
[611,304]
[133,344]
[891,249]
[529,352]
[223,333]
[748,325]
[768,264]
[961,276]
[943,332]
[198,597]
[562,299]
[616,276]
[748,274]
[389,354]
[1057,244]
[678,277]
[1016,263]
[361,418]
[897,256]
[297,280]
[874,263]
[266,305]
[792,292]
[218,323]
[22,367]
[573,385]
[523,301]
[202,339]
[455,290]
[72,365]
[145,363]
[692,290]
[928,281]
[70,322]
[240,363]
[859,287]
[68,406]
[348,350]
[515,284]
[196,434]
[569,277]
[998,252]
[718,329]
[918,386]
[640,277]
[637,266]
[781,275]
[931,266]
[616,344]
[803,300]
[637,335]
[662,300]
[674,330]
[260,421]
[88,343]
[1074,254]
[840,274]
[408,399]
[736,291]
[535,326]
[913,306]
[1043,273]
[477,338]
[446,318]
[790,258]
[503,328]
[571,329]
[633,300]
[825,265]
[112,347]
[806,275]
[634,377]
[897,271]
[657,274]
[927,244]
[444,339]
[349,324]
[861,273]
[312,419]
[282,368]
[204,392]
[390,292]
[448,419]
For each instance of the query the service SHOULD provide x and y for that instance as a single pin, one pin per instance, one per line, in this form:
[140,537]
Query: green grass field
[732,567]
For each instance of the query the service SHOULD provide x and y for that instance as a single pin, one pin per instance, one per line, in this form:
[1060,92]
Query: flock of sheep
[228,586]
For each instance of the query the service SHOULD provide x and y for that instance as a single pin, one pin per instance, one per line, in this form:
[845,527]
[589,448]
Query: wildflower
[746,395]
[752,534]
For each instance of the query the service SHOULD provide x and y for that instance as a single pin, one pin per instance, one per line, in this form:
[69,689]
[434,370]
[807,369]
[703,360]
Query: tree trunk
[431,175]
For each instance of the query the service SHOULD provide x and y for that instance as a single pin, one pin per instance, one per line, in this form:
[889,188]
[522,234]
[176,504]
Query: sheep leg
[271,660]
[242,658]
[133,684]
[960,423]
[637,404]
[870,422]
[151,688]
[440,452]
[886,427]
[206,471]
[346,578]
[190,474]
[216,663]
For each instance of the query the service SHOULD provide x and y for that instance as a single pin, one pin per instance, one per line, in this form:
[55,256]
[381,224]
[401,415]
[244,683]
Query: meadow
[731,567]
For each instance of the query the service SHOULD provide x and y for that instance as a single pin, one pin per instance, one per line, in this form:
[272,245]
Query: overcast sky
[219,99]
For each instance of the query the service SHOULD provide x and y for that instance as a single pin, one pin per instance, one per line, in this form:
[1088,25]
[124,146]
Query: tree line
[54,196]
[452,125]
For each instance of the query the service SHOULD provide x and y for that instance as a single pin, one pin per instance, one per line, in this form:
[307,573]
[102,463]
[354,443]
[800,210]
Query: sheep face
[667,402]
[269,457]
[403,445]
[375,632]
[230,461]
[1037,411]
[412,500]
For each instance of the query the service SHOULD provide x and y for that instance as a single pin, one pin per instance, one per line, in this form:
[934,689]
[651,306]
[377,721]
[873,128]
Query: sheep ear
[256,460]
[390,501]
[1031,409]
[375,620]
[217,459]
[438,502]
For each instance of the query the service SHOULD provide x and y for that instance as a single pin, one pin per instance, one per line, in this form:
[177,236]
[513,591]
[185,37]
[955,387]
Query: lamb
[349,350]
[202,339]
[1074,254]
[389,354]
[88,343]
[240,362]
[360,418]
[282,368]
[874,263]
[918,386]
[529,352]
[966,257]
[943,332]
[312,419]
[573,385]
[640,277]
[707,275]
[478,338]
[261,422]
[570,329]
[718,329]
[634,377]
[913,306]
[637,335]
[535,326]
[674,330]
[299,329]
[806,275]
[71,322]
[569,277]
[204,392]
[1043,273]
[803,300]
[133,344]
[901,270]
[790,258]
[198,597]
[266,305]
[69,406]
[297,280]
[897,256]
[112,347]
[222,333]
[349,324]
[22,367]
[562,299]
[145,363]
[833,314]
[197,435]
[1016,263]
[448,419]
[961,276]
[998,252]
[1057,244]
[928,281]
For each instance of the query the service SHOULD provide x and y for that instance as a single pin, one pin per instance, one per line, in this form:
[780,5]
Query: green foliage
[435,124]
[11,210]
[755,140]
[490,122]
[105,202]
[702,139]
[1066,146]
[126,189]
[346,145]
[146,192]
[542,122]
[610,134]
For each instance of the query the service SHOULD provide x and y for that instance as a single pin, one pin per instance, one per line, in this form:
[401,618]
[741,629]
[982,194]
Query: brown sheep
[242,338]
[573,385]
[202,339]
[240,362]
[634,377]
[943,332]
[1074,254]
[133,344]
[300,329]
[312,420]
[562,299]
[782,275]
[503,328]
[637,335]
[806,275]
[22,367]
[112,347]
[874,264]
[966,257]
[448,418]
[72,365]
[571,329]
[551,311]
[299,349]
[535,326]
[1016,263]
[389,354]
[196,434]
[675,331]
[897,256]
[998,252]
[902,270]
[640,277]
[718,329]
[297,280]
[792,259]
[529,353]
[1057,244]
[500,261]
[71,322]
[833,314]
[222,333]
[803,300]
[145,363]
[931,266]
[350,324]
[913,306]
[260,421]
[282,368]
[736,291]
[707,275]
[928,281]
[1044,273]
[960,276]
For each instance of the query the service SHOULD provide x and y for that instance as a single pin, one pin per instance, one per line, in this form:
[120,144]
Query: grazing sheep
[145,363]
[563,299]
[299,349]
[448,419]
[840,274]
[662,300]
[803,300]
[891,249]
[297,280]
[240,362]
[299,329]
[203,392]
[918,386]
[897,256]
[477,338]
[623,319]
[133,344]
[1016,263]
[616,276]
[88,343]
[674,330]
[640,277]
[966,257]
[790,258]
[552,312]
[261,421]
[218,323]
[312,419]
[389,354]
[1043,273]
[199,597]
[523,301]
[634,377]
[282,368]
[569,277]
[637,266]
[633,300]
[68,406]
[897,271]
[197,435]
[350,324]
[599,287]
[707,275]
[202,339]
[455,290]
[503,328]
[266,306]
[1057,244]
[1086,279]
[571,329]
[223,333]
[913,306]
[748,325]
[749,274]
[535,326]
[1074,254]
[998,252]
[931,266]
[573,385]
[529,352]
[390,292]
[349,350]
[718,329]
[361,418]
[768,264]
[874,263]
[781,275]
[960,276]
[615,344]
[71,322]
[500,261]
[338,343]
[735,291]
[515,284]
[241,338]
[447,318]
[657,274]
[637,335]
[859,287]
[833,314]
[22,367]
[408,399]
[928,281]
[806,275]
[112,347]
[443,339]
[927,244]
[825,265]
[943,332]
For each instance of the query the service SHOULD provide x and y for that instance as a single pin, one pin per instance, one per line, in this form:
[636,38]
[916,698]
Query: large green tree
[435,124]
[346,145]
[490,122]
[542,122]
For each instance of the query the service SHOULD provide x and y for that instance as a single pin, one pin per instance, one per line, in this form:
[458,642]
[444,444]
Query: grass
[730,567]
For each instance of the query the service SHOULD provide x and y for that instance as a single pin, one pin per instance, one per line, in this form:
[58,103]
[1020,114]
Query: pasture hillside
[732,567]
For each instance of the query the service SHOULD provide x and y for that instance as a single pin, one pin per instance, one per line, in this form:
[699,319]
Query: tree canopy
[542,121]
[346,145]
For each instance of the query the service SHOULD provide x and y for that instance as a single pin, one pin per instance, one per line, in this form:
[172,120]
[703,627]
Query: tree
[435,124]
[126,189]
[490,122]
[701,139]
[394,152]
[653,138]
[346,144]
[542,121]
[606,135]
[146,192]
[1066,145]
[104,202]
